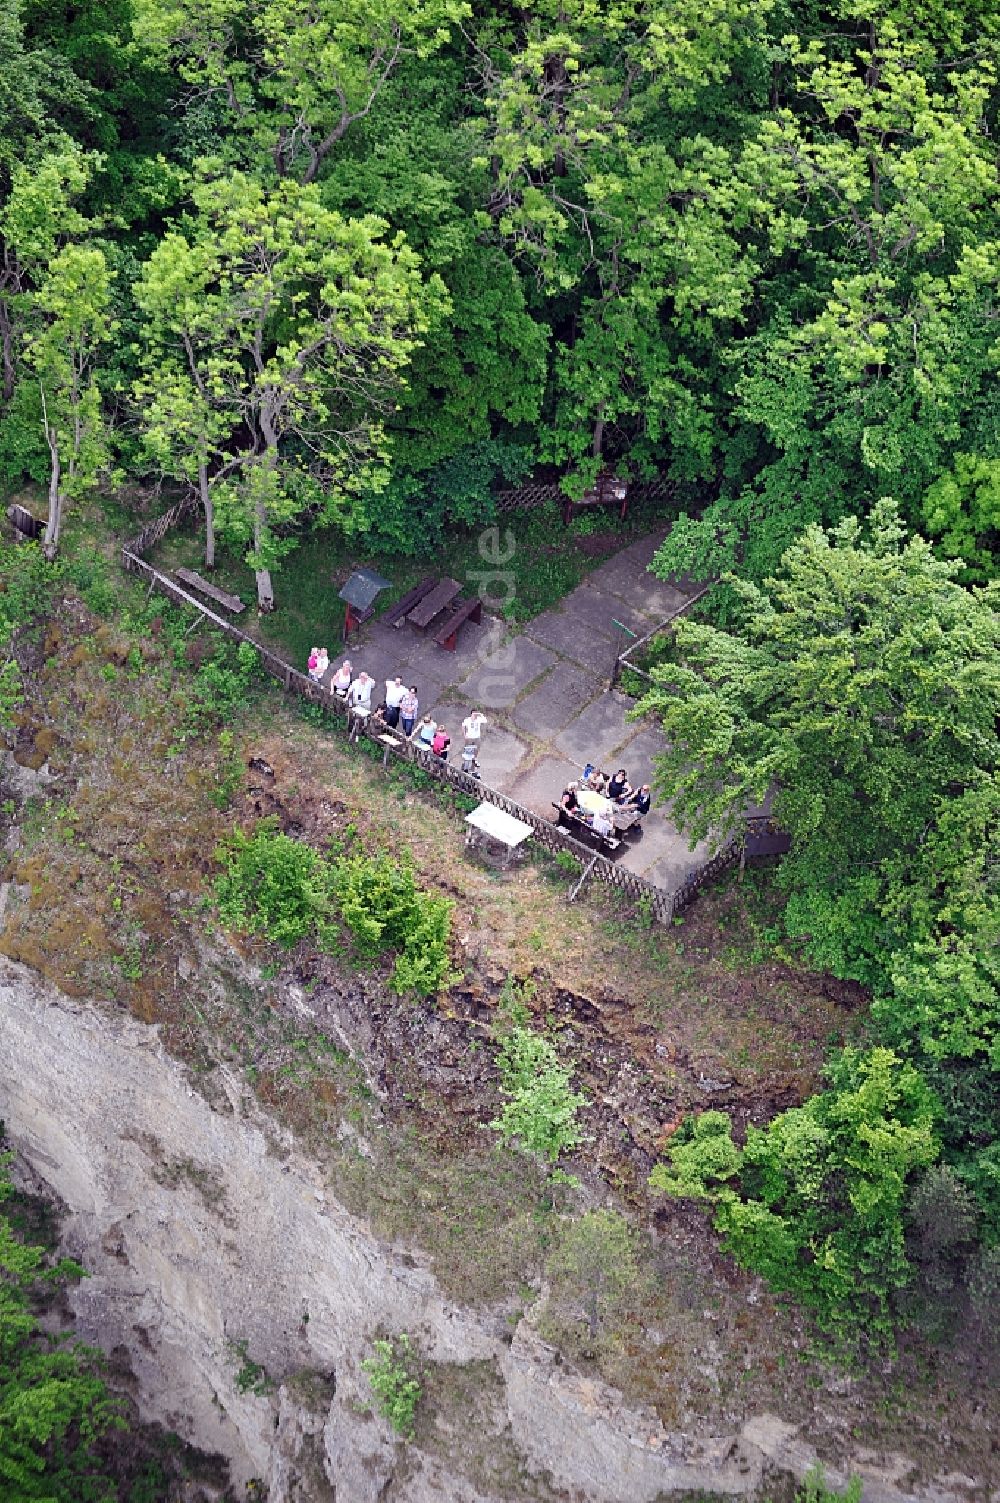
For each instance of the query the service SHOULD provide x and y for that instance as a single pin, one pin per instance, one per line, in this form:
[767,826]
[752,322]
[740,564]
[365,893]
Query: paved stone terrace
[545,692]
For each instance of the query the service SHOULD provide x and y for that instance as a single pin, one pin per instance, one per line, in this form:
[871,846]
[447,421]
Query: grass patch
[546,561]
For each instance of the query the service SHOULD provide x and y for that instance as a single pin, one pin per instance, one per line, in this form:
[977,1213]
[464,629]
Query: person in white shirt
[395,692]
[359,695]
[602,823]
[341,681]
[472,727]
[319,662]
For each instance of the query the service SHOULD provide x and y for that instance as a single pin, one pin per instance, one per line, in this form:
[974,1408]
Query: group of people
[614,791]
[399,710]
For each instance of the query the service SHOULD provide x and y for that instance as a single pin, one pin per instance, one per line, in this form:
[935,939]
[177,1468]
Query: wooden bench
[425,613]
[463,610]
[205,587]
[397,614]
[566,817]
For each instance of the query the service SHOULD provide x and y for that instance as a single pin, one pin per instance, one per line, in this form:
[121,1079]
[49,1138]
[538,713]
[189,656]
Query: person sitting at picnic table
[359,695]
[341,681]
[641,799]
[569,800]
[441,743]
[619,788]
[395,691]
[425,732]
[319,662]
[408,707]
[601,823]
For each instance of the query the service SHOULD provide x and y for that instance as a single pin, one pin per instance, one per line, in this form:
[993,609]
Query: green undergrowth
[280,887]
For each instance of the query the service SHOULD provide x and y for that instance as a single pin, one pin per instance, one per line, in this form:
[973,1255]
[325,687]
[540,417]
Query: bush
[221,688]
[54,1404]
[818,1210]
[280,887]
[384,909]
[395,1382]
[540,1109]
[272,885]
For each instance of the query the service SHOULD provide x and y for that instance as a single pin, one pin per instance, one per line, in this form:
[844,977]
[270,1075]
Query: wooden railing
[624,659]
[537,493]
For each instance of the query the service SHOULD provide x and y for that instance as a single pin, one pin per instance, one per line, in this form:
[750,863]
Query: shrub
[384,909]
[540,1109]
[221,688]
[54,1403]
[395,1382]
[280,887]
[272,885]
[818,1210]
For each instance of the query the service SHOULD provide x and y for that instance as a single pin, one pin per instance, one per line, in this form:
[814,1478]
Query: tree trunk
[206,501]
[265,591]
[50,542]
[598,443]
[7,346]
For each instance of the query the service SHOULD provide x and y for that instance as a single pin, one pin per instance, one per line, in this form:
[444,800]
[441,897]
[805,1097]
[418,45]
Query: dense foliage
[859,688]
[54,1404]
[351,262]
[280,887]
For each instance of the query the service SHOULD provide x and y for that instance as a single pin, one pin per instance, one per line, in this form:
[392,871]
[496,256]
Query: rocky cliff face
[211,1241]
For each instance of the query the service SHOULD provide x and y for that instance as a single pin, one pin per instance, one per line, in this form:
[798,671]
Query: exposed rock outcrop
[213,1246]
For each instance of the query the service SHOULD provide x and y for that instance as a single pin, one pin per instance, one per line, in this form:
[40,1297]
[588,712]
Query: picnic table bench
[463,610]
[578,824]
[430,607]
[205,587]
[397,614]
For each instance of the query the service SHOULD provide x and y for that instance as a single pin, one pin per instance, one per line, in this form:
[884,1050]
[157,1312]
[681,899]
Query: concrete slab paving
[653,598]
[540,740]
[505,674]
[637,756]
[541,785]
[595,609]
[500,751]
[596,732]
[474,644]
[572,638]
[559,698]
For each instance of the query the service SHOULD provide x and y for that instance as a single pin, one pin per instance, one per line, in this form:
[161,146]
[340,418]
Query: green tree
[870,180]
[54,1405]
[962,510]
[639,262]
[280,330]
[294,77]
[814,1202]
[862,686]
[72,316]
[540,1109]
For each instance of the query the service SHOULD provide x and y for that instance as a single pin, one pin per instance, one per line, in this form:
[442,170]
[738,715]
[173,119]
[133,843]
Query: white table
[491,823]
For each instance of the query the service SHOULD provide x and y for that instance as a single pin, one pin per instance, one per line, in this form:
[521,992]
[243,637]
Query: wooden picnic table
[396,614]
[439,599]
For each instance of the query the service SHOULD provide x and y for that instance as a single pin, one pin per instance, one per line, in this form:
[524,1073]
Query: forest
[356,265]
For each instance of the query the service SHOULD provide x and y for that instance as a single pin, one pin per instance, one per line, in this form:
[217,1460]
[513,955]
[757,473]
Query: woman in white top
[341,681]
